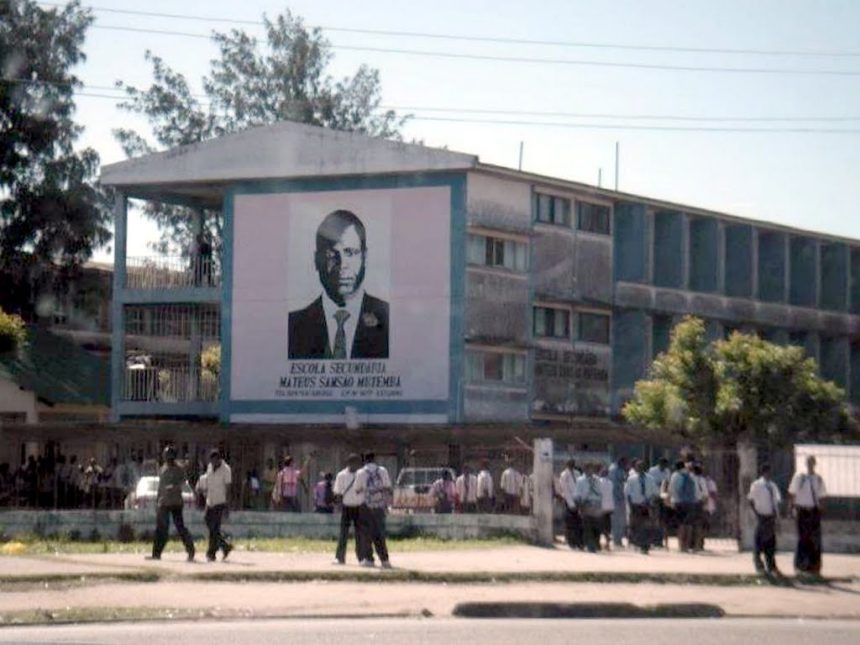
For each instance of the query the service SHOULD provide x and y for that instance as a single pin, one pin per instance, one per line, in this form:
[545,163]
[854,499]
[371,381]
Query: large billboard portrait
[340,296]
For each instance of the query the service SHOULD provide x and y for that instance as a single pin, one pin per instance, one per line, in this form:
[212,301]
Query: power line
[464,110]
[523,59]
[493,39]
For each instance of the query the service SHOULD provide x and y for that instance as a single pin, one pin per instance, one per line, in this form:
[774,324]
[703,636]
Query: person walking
[511,484]
[567,491]
[467,491]
[660,473]
[589,501]
[171,481]
[618,477]
[764,499]
[683,497]
[807,493]
[486,492]
[350,500]
[374,483]
[641,493]
[215,485]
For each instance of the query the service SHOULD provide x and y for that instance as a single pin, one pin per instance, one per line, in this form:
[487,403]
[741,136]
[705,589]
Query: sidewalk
[525,560]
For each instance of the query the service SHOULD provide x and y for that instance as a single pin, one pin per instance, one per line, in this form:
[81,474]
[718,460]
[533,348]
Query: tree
[51,208]
[739,389]
[13,332]
[251,83]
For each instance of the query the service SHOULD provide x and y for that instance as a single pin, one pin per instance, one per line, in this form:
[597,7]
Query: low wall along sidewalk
[107,525]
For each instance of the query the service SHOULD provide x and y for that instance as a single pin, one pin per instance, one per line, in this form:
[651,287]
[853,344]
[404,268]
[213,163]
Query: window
[593,218]
[552,210]
[593,328]
[497,367]
[497,252]
[551,323]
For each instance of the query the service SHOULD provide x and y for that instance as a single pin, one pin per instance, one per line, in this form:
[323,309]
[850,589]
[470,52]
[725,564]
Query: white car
[144,495]
[412,490]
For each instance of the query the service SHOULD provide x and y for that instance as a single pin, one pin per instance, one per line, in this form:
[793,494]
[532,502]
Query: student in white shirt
[466,486]
[374,483]
[350,500]
[807,493]
[486,492]
[764,498]
[589,502]
[660,473]
[641,494]
[567,492]
[216,486]
[608,504]
[511,486]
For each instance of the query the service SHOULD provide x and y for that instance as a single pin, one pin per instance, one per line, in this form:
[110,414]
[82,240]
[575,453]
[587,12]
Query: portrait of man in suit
[344,322]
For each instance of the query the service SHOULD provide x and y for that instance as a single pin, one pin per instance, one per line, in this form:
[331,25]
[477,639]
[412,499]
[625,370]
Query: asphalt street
[448,632]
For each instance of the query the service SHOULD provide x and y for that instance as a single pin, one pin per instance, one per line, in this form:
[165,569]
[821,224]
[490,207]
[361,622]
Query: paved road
[450,632]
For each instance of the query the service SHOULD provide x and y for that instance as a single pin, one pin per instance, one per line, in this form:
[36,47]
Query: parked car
[412,490]
[144,495]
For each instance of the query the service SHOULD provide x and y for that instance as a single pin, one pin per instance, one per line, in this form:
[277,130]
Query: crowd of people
[66,483]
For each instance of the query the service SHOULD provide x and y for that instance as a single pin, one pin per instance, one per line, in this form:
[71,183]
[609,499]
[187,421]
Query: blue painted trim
[531,379]
[453,407]
[169,409]
[457,339]
[336,406]
[117,313]
[226,305]
[183,295]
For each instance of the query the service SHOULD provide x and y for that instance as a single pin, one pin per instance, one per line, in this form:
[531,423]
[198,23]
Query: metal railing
[171,272]
[169,384]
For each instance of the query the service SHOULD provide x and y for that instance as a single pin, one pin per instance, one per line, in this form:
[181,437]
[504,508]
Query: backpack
[687,493]
[374,495]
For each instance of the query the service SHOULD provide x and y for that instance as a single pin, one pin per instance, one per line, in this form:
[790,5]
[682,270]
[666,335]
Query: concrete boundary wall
[83,524]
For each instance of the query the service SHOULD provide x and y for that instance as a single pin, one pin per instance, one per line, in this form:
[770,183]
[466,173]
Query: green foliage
[50,204]
[743,388]
[210,360]
[251,82]
[13,332]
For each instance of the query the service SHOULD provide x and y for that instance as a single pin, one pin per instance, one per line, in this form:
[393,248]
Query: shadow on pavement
[585,610]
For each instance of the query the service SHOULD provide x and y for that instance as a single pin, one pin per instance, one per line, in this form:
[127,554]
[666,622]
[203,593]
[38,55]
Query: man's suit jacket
[308,333]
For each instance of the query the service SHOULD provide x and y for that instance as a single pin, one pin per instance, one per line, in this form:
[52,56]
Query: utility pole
[600,177]
[520,165]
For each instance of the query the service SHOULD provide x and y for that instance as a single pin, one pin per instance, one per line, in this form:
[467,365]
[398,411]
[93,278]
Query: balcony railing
[171,272]
[169,385]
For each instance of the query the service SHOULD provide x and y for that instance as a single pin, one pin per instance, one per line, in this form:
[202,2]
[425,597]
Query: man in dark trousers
[374,485]
[215,484]
[171,481]
[807,494]
[350,500]
[764,499]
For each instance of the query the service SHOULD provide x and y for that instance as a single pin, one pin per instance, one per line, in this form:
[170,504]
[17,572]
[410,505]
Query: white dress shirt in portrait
[353,308]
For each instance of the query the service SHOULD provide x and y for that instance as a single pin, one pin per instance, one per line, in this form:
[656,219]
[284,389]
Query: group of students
[642,505]
[475,492]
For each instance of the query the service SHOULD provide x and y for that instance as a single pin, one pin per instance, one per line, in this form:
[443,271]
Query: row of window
[592,218]
[551,322]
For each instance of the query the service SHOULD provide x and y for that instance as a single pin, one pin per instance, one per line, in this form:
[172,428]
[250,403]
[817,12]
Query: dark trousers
[573,528]
[291,505]
[592,527]
[765,542]
[485,504]
[469,507]
[512,503]
[162,525]
[807,557]
[685,514]
[374,522]
[351,516]
[641,531]
[214,516]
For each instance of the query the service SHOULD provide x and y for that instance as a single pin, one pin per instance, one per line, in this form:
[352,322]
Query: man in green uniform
[171,480]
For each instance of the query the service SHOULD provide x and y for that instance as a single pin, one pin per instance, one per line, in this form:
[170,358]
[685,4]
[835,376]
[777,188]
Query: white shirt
[606,491]
[485,484]
[588,488]
[511,481]
[802,487]
[658,474]
[633,489]
[216,483]
[353,307]
[344,485]
[764,496]
[467,494]
[567,486]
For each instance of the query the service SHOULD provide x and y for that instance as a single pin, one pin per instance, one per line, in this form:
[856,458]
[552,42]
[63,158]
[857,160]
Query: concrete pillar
[196,344]
[120,226]
[747,473]
[543,493]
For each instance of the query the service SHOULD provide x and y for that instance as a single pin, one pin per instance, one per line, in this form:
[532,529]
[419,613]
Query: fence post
[747,473]
[543,493]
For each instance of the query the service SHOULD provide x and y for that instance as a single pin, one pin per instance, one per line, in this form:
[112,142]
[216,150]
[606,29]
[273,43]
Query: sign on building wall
[572,380]
[340,297]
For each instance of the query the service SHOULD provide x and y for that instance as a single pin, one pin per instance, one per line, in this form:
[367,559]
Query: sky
[802,179]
